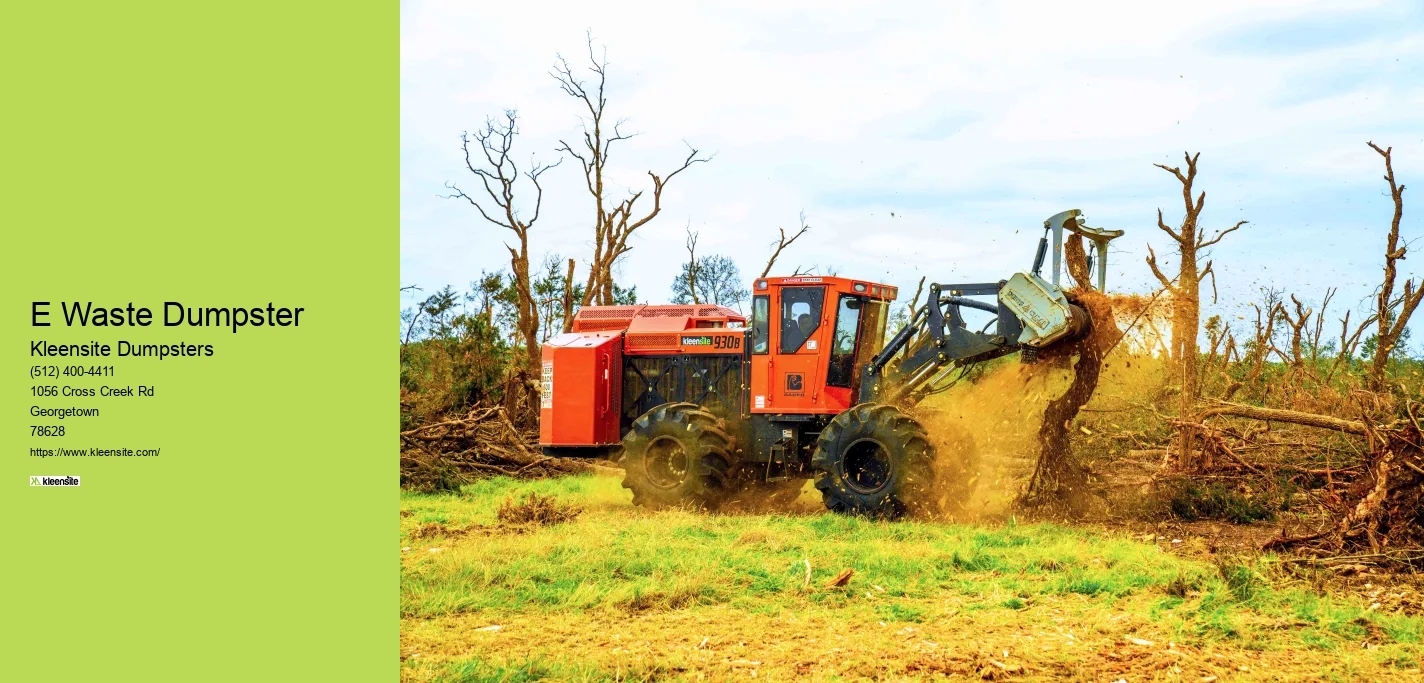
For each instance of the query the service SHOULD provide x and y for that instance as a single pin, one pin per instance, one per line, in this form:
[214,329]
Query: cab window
[841,370]
[800,315]
[872,334]
[761,330]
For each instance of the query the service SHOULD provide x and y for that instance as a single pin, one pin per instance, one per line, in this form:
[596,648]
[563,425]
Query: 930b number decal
[719,342]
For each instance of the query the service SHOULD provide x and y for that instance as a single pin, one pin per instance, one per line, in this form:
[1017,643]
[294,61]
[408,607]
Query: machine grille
[623,312]
[665,312]
[600,326]
[652,341]
[713,382]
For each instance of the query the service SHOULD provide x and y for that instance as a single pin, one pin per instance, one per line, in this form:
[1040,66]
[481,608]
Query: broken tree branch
[782,243]
[1278,415]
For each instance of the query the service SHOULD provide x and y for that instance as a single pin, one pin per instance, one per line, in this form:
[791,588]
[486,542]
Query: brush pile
[535,509]
[1380,516]
[442,456]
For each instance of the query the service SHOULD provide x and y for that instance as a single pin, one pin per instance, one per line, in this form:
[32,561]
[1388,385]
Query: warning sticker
[761,401]
[546,388]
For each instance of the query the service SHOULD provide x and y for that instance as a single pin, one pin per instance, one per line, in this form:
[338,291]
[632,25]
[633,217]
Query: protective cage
[715,382]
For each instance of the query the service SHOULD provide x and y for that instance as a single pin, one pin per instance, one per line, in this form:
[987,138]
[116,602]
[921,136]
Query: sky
[933,139]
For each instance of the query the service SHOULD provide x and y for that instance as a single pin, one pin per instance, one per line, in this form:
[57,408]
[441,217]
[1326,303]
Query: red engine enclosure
[580,392]
[582,376]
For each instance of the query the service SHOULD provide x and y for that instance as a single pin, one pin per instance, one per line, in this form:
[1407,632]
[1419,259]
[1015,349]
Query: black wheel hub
[666,463]
[867,466]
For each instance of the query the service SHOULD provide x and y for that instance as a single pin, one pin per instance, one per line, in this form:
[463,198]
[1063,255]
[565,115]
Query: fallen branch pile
[1381,511]
[442,456]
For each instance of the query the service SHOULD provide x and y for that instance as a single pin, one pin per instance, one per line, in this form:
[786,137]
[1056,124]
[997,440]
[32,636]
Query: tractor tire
[876,461]
[677,455]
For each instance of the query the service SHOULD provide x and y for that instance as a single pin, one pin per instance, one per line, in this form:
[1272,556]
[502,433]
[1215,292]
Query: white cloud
[968,120]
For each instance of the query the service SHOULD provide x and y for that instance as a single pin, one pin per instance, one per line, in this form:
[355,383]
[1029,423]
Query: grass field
[621,593]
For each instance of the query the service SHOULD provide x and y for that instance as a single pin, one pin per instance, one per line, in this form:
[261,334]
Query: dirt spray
[1004,437]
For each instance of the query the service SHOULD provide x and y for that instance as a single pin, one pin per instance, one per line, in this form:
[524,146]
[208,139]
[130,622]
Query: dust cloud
[989,431]
[986,436]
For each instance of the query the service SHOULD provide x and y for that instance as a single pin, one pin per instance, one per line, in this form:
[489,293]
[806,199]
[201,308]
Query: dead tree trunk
[1348,343]
[1297,325]
[498,174]
[1186,297]
[568,299]
[1264,333]
[1277,415]
[1060,483]
[692,265]
[1392,315]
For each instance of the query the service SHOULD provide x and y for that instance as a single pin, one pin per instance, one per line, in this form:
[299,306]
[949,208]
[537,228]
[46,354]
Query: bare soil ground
[1072,638]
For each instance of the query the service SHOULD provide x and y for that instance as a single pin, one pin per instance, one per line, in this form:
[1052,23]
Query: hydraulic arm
[1029,313]
[937,340]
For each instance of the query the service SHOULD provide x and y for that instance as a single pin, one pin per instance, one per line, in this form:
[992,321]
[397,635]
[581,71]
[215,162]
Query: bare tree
[1186,295]
[909,311]
[783,243]
[1217,332]
[915,300]
[1297,325]
[491,163]
[1391,315]
[569,299]
[1318,327]
[414,315]
[614,221]
[1262,342]
[692,263]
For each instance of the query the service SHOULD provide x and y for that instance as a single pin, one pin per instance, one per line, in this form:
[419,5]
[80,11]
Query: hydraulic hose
[969,303]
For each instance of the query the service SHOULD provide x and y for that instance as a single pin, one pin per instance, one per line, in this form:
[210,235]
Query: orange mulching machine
[699,402]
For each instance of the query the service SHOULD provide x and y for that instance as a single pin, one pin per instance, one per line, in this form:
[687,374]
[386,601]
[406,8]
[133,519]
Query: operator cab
[810,337]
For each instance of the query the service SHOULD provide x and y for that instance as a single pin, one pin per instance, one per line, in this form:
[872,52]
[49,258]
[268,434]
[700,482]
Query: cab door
[795,370]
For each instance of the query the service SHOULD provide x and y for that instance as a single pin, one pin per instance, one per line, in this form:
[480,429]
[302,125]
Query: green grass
[639,560]
[618,561]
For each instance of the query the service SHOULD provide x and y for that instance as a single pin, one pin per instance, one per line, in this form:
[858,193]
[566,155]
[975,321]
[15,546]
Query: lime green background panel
[214,155]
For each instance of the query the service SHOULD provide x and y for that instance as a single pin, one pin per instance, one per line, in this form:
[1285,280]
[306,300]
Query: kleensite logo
[54,481]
